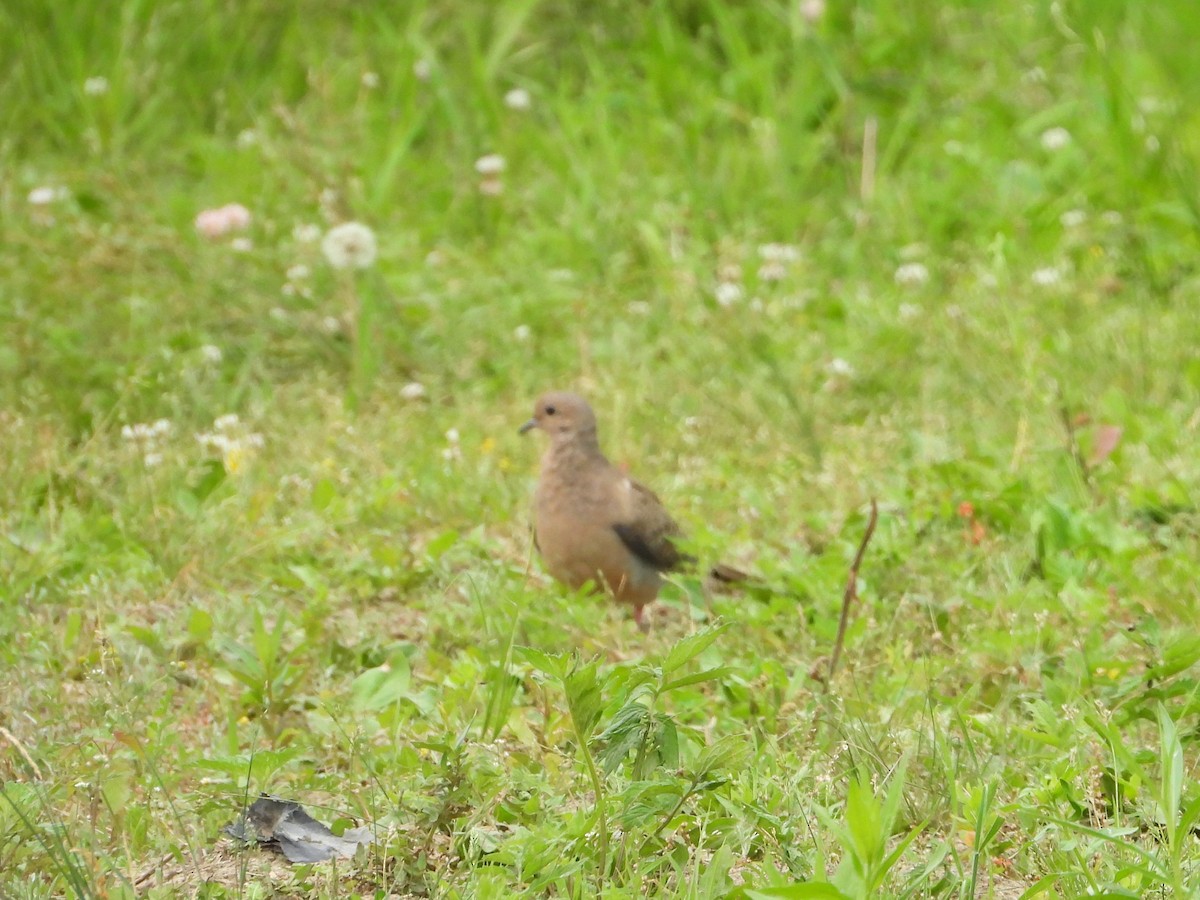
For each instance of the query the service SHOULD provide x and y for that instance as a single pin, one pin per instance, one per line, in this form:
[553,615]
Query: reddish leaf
[1105,442]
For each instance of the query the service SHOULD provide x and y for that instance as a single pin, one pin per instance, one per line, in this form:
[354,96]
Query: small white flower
[306,234]
[127,432]
[255,440]
[95,86]
[414,390]
[226,422]
[518,99]
[812,10]
[41,196]
[1055,138]
[909,311]
[152,459]
[839,368]
[246,139]
[912,273]
[297,272]
[522,332]
[278,313]
[161,427]
[772,271]
[350,245]
[241,245]
[1046,277]
[1072,218]
[422,69]
[211,353]
[492,164]
[452,436]
[728,293]
[782,253]
[331,324]
[370,80]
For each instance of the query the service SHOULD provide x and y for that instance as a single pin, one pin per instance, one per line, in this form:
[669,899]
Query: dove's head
[563,416]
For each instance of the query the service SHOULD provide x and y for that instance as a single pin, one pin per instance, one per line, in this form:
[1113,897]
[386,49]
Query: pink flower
[213,223]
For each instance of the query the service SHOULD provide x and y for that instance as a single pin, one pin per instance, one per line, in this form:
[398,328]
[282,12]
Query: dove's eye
[550,410]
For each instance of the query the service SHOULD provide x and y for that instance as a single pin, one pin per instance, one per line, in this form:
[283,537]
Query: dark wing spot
[658,553]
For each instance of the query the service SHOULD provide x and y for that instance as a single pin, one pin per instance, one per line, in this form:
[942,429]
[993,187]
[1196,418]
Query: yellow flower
[235,459]
[488,446]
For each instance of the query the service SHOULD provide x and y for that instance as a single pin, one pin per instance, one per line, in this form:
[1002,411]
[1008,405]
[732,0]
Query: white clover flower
[414,390]
[306,233]
[350,245]
[781,253]
[518,99]
[728,293]
[41,196]
[1046,277]
[492,164]
[452,436]
[211,353]
[1055,138]
[1072,218]
[227,422]
[522,332]
[839,367]
[213,223]
[912,273]
[95,86]
[370,80]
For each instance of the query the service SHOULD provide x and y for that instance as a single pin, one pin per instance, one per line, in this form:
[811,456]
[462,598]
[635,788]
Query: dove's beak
[528,426]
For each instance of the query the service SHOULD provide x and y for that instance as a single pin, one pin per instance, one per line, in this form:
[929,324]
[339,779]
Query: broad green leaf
[690,647]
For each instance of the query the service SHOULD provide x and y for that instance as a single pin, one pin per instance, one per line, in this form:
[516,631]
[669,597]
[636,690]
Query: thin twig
[851,593]
[20,748]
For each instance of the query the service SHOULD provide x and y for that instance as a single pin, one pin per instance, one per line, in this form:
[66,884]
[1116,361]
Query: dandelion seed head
[350,245]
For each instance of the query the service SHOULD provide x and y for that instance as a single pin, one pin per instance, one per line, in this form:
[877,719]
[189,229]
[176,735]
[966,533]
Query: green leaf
[690,647]
[379,688]
[552,665]
[806,890]
[713,674]
[584,699]
[323,493]
[726,754]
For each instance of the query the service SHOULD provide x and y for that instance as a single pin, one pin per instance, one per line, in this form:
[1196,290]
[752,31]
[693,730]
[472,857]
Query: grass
[345,611]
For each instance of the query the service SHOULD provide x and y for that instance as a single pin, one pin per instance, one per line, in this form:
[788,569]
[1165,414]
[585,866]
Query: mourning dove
[592,522]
